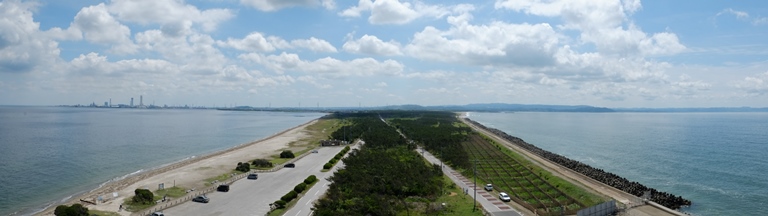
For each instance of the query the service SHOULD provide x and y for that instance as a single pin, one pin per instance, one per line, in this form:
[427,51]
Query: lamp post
[475,205]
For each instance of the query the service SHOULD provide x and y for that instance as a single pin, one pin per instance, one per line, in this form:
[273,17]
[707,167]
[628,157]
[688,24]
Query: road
[252,197]
[304,206]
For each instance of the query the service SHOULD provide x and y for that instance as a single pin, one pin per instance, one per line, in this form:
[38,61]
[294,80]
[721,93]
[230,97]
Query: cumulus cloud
[257,42]
[601,23]
[175,16]
[372,45]
[23,47]
[397,12]
[756,84]
[98,26]
[326,66]
[497,43]
[274,5]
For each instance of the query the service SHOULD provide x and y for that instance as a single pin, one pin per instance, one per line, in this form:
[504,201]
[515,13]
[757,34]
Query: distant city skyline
[604,53]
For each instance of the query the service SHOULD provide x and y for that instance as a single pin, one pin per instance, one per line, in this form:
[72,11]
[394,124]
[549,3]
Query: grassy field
[222,177]
[527,184]
[456,203]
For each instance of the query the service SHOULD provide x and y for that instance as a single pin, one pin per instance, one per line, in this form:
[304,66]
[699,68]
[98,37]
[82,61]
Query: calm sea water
[48,154]
[719,161]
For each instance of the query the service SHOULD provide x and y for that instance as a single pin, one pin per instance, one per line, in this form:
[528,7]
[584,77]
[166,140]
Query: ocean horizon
[55,153]
[716,160]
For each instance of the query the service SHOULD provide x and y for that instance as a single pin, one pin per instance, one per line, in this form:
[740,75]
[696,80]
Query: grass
[174,192]
[278,212]
[221,177]
[457,203]
[102,213]
[320,130]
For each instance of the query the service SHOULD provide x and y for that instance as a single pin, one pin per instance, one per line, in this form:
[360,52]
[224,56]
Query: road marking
[297,213]
[308,202]
[318,191]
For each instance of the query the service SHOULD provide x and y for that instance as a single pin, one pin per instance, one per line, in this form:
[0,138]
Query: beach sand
[189,173]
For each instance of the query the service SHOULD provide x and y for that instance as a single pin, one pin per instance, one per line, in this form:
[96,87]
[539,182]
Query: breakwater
[666,199]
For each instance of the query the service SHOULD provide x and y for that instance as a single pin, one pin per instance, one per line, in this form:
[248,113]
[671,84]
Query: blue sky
[285,53]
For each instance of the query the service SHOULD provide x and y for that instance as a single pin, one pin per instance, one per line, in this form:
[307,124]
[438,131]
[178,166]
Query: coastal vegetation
[73,210]
[289,199]
[287,154]
[663,198]
[335,159]
[386,176]
[467,151]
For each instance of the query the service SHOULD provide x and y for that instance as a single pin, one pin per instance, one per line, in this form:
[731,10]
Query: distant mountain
[502,107]
[704,109]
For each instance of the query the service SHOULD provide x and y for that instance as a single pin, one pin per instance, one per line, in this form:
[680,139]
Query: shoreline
[122,182]
[629,200]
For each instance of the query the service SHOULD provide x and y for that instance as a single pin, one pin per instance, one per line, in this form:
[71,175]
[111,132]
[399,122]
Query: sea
[50,154]
[719,161]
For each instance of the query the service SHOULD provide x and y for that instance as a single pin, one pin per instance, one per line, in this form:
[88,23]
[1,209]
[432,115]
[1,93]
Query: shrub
[300,187]
[289,196]
[74,210]
[327,166]
[287,154]
[280,204]
[333,161]
[262,163]
[312,178]
[243,167]
[143,196]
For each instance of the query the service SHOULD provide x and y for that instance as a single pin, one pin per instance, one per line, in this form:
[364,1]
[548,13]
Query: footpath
[489,203]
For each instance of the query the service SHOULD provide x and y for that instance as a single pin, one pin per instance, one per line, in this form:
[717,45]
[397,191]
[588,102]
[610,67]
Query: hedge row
[295,192]
[336,158]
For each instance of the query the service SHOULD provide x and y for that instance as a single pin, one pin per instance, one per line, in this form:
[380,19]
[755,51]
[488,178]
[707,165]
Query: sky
[334,53]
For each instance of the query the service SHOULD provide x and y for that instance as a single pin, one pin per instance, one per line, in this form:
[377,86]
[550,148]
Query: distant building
[131,102]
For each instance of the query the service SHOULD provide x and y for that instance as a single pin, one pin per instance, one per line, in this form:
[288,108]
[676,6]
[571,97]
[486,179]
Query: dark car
[157,214]
[290,165]
[223,188]
[253,176]
[201,198]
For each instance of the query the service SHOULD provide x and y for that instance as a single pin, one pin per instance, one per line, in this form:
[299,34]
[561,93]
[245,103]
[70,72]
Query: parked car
[489,187]
[253,176]
[314,151]
[504,197]
[157,214]
[290,165]
[223,188]
[201,198]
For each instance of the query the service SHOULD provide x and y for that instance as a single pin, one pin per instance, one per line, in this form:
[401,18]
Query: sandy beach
[189,173]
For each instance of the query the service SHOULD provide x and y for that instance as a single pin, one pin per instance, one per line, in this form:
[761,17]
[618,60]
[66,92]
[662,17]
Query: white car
[504,197]
[489,187]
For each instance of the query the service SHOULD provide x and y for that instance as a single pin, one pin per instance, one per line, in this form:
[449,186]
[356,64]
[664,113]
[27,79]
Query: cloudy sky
[287,53]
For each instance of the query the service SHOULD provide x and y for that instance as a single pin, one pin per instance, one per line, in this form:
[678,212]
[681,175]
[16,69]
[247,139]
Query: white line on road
[307,202]
[297,213]
[318,191]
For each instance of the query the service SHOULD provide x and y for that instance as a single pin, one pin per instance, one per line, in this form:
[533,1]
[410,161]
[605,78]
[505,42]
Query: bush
[289,196]
[262,163]
[300,187]
[280,204]
[143,196]
[243,167]
[327,166]
[287,154]
[74,210]
[312,178]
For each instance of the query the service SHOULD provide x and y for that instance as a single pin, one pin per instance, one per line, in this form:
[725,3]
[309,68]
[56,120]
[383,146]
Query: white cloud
[195,52]
[175,16]
[314,44]
[741,15]
[256,42]
[23,47]
[372,45]
[98,26]
[601,22]
[253,42]
[274,5]
[381,84]
[397,12]
[326,66]
[755,85]
[496,44]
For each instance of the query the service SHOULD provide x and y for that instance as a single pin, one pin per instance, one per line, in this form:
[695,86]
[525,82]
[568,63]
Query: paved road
[252,197]
[304,206]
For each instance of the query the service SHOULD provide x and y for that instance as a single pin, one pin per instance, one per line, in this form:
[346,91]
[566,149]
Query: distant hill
[502,107]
